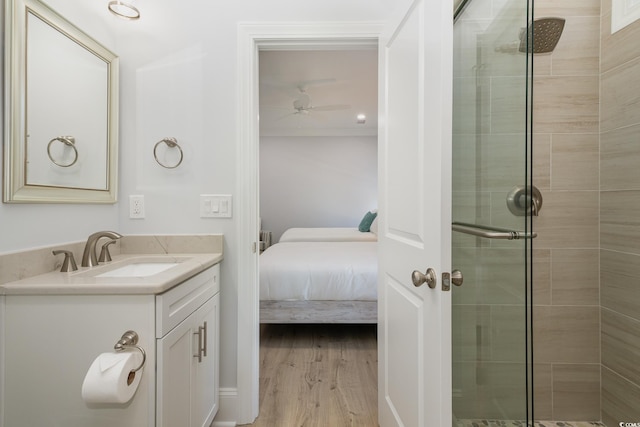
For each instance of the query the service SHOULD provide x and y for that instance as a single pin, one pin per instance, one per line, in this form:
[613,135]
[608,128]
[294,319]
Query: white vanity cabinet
[187,351]
[52,333]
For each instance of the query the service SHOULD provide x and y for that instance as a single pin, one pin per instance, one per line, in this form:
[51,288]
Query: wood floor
[318,376]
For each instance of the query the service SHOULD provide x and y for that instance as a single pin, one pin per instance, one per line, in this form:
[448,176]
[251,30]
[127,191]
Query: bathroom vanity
[56,324]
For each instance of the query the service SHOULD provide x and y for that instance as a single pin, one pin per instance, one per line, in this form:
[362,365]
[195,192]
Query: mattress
[319,271]
[327,234]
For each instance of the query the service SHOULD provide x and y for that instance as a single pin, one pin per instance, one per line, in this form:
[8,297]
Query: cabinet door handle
[204,332]
[199,334]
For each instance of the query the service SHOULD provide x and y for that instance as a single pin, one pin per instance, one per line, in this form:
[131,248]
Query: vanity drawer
[175,305]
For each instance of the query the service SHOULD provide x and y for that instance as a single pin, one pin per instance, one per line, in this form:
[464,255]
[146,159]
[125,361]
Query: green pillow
[365,224]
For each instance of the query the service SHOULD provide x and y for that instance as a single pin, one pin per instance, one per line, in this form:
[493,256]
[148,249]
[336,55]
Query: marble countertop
[84,281]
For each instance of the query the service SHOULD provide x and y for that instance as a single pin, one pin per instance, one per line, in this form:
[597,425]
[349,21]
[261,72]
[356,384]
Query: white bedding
[327,234]
[302,271]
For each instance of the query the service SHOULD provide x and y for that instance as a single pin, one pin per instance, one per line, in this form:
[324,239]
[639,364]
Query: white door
[415,198]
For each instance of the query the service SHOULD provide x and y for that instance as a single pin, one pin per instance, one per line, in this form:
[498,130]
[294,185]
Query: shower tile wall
[566,253]
[620,221]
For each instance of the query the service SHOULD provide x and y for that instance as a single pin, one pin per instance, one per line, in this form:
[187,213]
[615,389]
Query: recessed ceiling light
[361,118]
[124,10]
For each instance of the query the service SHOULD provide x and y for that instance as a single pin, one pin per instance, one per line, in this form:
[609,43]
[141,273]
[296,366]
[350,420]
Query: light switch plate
[215,205]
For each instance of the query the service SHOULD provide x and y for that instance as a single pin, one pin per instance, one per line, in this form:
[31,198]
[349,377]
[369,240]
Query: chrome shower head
[544,33]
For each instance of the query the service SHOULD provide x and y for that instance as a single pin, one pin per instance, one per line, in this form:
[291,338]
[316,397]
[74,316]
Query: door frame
[252,37]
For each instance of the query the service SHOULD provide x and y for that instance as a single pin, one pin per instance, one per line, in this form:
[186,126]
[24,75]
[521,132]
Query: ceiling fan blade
[317,117]
[330,107]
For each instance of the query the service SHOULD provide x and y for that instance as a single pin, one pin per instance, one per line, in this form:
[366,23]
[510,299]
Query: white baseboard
[228,411]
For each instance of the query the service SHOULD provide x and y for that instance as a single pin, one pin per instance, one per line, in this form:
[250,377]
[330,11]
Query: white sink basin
[142,269]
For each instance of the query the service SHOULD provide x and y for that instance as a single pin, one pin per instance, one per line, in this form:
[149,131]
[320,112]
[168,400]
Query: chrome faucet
[89,257]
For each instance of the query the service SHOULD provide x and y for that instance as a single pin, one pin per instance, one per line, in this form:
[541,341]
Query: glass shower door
[491,237]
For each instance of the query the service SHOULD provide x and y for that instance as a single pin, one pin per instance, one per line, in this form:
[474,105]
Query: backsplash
[20,265]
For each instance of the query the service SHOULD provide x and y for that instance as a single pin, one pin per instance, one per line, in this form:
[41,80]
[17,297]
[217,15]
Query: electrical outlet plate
[136,207]
[215,206]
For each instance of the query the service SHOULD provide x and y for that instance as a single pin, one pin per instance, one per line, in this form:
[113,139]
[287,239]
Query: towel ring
[69,141]
[130,340]
[171,143]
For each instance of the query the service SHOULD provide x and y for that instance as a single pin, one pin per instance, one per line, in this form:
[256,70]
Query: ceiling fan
[302,104]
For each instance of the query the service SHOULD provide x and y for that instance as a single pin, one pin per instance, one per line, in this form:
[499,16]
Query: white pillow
[374,226]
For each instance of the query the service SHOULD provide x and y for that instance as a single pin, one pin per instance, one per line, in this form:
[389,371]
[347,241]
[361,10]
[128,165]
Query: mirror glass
[61,106]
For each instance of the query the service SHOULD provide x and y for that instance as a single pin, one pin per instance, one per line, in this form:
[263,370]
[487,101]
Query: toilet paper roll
[111,379]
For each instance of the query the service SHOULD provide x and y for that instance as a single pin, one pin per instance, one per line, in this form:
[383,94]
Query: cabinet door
[204,404]
[175,353]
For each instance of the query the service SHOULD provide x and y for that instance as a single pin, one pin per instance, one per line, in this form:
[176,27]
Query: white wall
[317,181]
[178,78]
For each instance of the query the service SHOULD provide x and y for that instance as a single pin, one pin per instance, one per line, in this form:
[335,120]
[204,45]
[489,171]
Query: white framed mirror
[61,110]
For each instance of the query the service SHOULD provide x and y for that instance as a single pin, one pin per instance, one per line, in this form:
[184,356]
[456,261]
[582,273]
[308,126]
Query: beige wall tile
[619,220]
[508,103]
[575,161]
[566,334]
[542,161]
[567,8]
[620,47]
[542,392]
[506,333]
[619,399]
[466,325]
[576,392]
[621,344]
[500,280]
[619,277]
[503,161]
[466,259]
[619,159]
[568,219]
[463,154]
[469,116]
[489,390]
[620,96]
[503,390]
[541,276]
[499,51]
[575,276]
[566,104]
[542,64]
[578,50]
[465,391]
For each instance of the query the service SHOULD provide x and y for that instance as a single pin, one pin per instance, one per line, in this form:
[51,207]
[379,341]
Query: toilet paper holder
[130,340]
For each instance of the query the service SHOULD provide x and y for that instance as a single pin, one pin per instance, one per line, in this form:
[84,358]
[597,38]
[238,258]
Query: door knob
[456,277]
[429,278]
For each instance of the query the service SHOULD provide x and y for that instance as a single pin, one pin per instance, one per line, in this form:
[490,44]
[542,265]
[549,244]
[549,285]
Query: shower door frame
[527,273]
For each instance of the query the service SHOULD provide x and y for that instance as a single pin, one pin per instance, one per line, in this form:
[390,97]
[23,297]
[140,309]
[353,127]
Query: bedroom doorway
[253,38]
[318,112]
[318,136]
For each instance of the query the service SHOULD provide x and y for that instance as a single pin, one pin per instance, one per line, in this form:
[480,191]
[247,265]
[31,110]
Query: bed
[327,234]
[320,275]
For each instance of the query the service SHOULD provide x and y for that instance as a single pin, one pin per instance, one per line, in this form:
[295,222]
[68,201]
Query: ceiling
[331,86]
